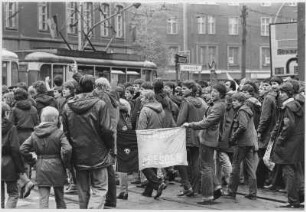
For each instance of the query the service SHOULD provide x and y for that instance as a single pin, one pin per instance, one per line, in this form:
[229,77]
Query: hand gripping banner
[158,148]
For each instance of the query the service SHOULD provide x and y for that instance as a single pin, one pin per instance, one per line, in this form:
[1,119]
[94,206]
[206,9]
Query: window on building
[119,22]
[211,25]
[172,51]
[172,26]
[11,14]
[265,21]
[104,14]
[233,24]
[201,24]
[72,20]
[88,16]
[233,56]
[265,4]
[42,16]
[265,57]
[207,55]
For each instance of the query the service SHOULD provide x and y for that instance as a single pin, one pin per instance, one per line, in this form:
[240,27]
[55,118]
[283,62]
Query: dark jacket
[289,134]
[243,131]
[135,112]
[211,126]
[44,100]
[192,110]
[255,105]
[25,117]
[268,119]
[170,109]
[87,125]
[151,116]
[11,162]
[53,154]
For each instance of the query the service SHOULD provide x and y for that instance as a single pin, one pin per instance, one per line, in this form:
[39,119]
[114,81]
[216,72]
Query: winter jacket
[87,125]
[11,162]
[44,100]
[25,117]
[243,131]
[191,110]
[211,126]
[151,116]
[135,112]
[53,154]
[255,105]
[268,119]
[169,108]
[289,134]
[61,101]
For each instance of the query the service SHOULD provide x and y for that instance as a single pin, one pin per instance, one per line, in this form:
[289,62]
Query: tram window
[4,73]
[14,73]
[132,78]
[58,70]
[86,70]
[102,72]
[45,71]
[32,76]
[146,75]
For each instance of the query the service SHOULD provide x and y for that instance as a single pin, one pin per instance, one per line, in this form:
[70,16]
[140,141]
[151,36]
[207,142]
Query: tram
[9,67]
[117,68]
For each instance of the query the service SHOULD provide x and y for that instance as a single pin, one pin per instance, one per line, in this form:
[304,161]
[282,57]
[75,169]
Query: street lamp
[136,5]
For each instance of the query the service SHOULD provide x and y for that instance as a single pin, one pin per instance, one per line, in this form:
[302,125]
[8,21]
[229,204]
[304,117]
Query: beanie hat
[221,89]
[288,88]
[276,79]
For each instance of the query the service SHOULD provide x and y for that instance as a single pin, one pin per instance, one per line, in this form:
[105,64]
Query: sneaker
[188,193]
[160,189]
[27,189]
[217,194]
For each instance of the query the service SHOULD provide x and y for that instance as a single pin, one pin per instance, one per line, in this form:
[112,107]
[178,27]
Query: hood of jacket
[163,99]
[23,104]
[156,106]
[45,129]
[6,125]
[300,98]
[44,99]
[254,101]
[294,106]
[194,101]
[82,103]
[112,96]
[247,109]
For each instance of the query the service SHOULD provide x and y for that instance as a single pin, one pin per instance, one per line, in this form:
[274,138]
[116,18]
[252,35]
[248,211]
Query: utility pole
[80,26]
[244,14]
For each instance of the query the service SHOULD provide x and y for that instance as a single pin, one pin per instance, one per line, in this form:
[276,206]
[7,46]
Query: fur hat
[288,88]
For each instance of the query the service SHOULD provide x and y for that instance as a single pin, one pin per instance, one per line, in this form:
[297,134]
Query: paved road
[169,201]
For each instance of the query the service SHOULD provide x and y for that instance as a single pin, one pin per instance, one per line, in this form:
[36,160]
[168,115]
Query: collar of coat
[286,102]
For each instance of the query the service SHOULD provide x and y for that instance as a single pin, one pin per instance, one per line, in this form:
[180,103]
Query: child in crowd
[53,154]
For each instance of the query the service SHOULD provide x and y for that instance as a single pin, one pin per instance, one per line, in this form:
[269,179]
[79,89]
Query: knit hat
[221,89]
[288,88]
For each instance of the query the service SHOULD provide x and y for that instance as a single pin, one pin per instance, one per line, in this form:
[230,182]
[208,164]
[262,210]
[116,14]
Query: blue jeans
[12,191]
[95,179]
[250,160]
[44,193]
[207,168]
[223,166]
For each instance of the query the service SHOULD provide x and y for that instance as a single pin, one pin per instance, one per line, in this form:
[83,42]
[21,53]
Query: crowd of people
[250,133]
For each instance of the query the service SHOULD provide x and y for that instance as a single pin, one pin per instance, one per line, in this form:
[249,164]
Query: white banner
[192,68]
[159,148]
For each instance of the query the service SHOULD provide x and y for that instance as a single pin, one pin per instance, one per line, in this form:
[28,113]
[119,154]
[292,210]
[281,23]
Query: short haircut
[158,85]
[69,85]
[102,83]
[20,94]
[203,84]
[170,85]
[232,84]
[296,85]
[130,89]
[128,84]
[87,83]
[40,87]
[58,80]
[249,88]
[221,89]
[266,80]
[22,85]
[147,85]
[253,84]
[240,97]
[190,84]
[138,81]
[149,95]
[276,79]
[49,114]
[121,91]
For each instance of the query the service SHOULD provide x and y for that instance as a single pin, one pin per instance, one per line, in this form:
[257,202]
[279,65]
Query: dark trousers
[262,172]
[250,159]
[294,180]
[111,195]
[190,174]
[44,193]
[154,181]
